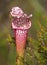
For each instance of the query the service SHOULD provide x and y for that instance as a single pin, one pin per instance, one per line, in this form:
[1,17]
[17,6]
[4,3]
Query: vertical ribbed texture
[20,39]
[20,36]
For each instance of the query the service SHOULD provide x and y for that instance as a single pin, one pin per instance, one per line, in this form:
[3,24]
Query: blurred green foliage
[36,48]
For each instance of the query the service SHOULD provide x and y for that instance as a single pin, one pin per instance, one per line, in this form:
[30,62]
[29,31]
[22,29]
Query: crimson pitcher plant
[20,25]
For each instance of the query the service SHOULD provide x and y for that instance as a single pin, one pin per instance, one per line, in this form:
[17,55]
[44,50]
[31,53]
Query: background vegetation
[36,48]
